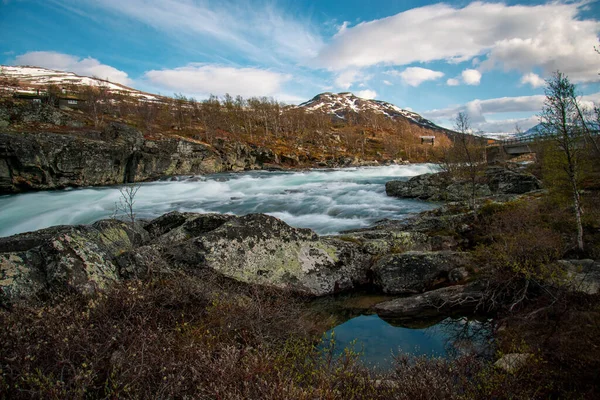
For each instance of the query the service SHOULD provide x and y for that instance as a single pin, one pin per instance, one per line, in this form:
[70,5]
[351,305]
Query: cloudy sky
[487,58]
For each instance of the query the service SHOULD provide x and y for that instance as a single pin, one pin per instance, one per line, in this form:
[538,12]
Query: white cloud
[260,31]
[508,125]
[204,79]
[65,62]
[388,83]
[366,94]
[478,108]
[533,79]
[345,79]
[513,37]
[414,76]
[348,78]
[452,82]
[471,77]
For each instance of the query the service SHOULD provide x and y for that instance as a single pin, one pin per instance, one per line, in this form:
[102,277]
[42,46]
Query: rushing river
[327,201]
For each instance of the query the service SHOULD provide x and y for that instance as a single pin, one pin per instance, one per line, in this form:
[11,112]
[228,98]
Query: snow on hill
[340,104]
[33,78]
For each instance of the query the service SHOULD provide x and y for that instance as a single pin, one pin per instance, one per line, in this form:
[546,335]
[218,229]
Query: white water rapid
[327,201]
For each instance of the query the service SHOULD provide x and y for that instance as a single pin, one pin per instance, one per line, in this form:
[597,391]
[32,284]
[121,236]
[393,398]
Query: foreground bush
[199,337]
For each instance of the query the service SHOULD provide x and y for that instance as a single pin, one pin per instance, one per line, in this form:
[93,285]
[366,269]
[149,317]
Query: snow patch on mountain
[32,78]
[340,104]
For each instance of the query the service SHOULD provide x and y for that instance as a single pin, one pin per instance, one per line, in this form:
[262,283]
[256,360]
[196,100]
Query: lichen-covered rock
[416,271]
[435,187]
[433,303]
[441,187]
[72,258]
[581,275]
[505,181]
[513,362]
[260,249]
[116,154]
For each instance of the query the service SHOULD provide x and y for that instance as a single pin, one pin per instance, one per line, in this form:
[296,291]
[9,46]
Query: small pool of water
[379,341]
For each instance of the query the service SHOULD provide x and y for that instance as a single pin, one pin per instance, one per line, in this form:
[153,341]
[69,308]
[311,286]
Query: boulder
[441,187]
[435,187]
[505,181]
[512,362]
[581,275]
[433,303]
[260,249]
[78,259]
[416,271]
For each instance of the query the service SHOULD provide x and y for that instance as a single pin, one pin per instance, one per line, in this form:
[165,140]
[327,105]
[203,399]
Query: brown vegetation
[287,130]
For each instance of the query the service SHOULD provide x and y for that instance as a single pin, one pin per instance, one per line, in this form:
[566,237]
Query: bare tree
[125,206]
[561,120]
[467,153]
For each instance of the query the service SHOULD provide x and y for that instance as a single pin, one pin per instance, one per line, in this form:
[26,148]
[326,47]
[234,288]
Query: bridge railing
[531,138]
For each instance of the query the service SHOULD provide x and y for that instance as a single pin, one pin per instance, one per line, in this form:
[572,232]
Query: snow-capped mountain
[33,78]
[341,104]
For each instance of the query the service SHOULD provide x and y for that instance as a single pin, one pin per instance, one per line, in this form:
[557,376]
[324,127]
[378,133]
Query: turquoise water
[327,201]
[378,341]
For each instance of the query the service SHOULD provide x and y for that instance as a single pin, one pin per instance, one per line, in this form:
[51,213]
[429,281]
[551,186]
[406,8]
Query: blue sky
[487,58]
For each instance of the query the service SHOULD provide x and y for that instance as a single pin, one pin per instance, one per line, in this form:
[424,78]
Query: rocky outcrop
[505,181]
[433,303]
[441,187]
[260,249]
[78,259]
[434,187]
[254,249]
[415,271]
[114,155]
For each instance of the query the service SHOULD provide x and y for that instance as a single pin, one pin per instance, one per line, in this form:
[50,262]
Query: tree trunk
[578,212]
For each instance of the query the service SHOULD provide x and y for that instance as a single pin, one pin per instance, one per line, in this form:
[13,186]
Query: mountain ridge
[31,78]
[340,105]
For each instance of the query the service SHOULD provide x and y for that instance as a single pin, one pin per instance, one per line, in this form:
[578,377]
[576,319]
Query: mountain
[33,78]
[340,105]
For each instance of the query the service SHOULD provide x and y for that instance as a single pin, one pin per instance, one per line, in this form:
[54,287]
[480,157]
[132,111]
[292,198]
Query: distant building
[428,140]
[70,102]
[63,101]
[35,97]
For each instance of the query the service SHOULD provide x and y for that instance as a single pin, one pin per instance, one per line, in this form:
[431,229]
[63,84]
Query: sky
[489,59]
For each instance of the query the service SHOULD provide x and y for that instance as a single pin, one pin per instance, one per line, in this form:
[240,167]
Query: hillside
[328,131]
[30,78]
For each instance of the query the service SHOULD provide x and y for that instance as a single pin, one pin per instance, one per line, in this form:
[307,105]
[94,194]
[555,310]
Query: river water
[327,201]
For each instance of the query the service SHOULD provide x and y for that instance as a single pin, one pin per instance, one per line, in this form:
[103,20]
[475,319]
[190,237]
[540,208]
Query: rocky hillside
[341,105]
[116,154]
[30,78]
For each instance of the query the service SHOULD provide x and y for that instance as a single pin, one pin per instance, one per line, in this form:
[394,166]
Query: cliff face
[117,154]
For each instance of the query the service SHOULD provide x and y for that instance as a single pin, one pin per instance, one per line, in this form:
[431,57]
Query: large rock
[260,249]
[79,259]
[505,181]
[513,362]
[415,271]
[441,301]
[581,275]
[435,187]
[440,187]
